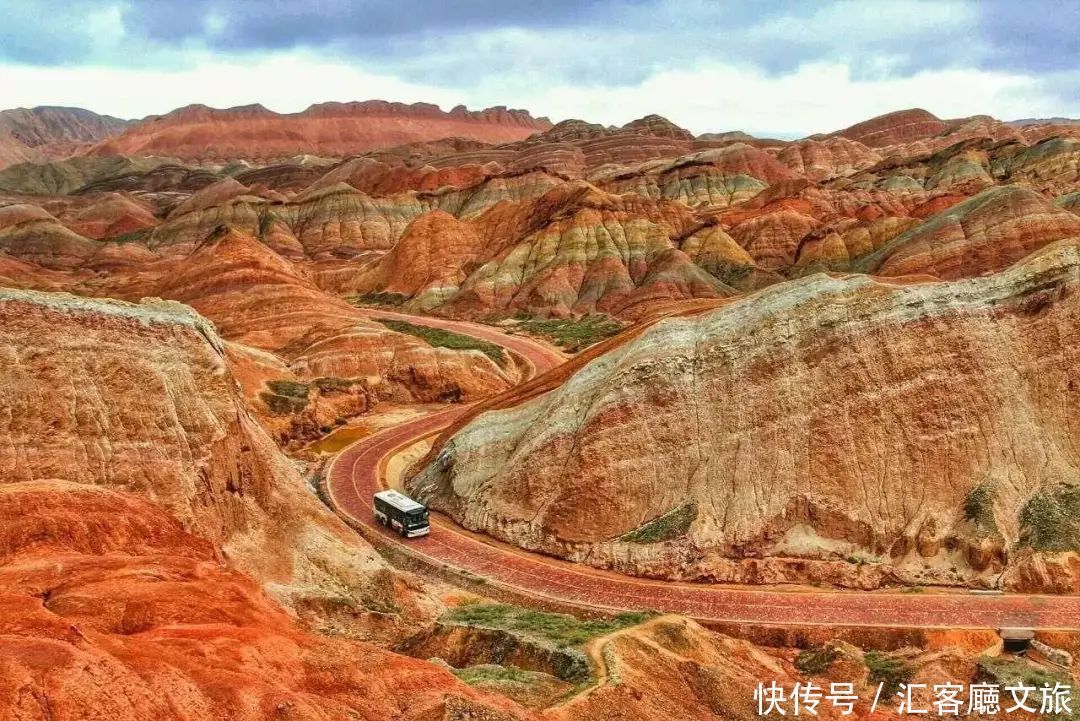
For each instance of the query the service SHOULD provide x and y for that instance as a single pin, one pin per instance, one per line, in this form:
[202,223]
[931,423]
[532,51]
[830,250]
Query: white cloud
[285,83]
[816,97]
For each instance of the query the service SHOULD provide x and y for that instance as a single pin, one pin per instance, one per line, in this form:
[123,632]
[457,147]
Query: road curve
[358,472]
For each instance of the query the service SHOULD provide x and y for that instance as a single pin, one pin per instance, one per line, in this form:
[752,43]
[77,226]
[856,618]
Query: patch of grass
[285,397]
[333,385]
[391,299]
[266,221]
[446,339]
[573,334]
[133,236]
[1012,672]
[889,670]
[1050,521]
[560,629]
[816,661]
[294,389]
[671,525]
[979,508]
[729,273]
[488,673]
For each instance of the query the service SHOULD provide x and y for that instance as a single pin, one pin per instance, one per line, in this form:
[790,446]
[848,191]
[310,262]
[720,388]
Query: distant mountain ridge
[255,133]
[1057,120]
[47,132]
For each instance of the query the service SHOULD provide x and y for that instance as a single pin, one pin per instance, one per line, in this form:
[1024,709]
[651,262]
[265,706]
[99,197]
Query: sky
[772,68]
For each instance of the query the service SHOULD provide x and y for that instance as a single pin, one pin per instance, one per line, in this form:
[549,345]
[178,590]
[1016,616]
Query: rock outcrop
[836,430]
[140,399]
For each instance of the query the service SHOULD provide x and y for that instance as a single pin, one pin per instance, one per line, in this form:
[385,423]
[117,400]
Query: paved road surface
[357,473]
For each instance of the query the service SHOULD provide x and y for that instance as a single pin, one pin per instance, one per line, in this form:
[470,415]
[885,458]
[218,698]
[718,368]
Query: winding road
[359,471]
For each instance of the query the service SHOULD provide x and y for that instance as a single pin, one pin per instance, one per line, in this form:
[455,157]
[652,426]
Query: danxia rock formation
[252,132]
[47,132]
[845,360]
[912,426]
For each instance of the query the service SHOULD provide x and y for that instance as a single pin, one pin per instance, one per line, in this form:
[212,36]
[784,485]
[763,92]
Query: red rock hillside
[38,134]
[201,134]
[830,430]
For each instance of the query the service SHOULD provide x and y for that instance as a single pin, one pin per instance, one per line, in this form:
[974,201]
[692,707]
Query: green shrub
[1012,672]
[669,526]
[293,389]
[285,397]
[133,236]
[979,508]
[888,670]
[573,334]
[488,673]
[560,629]
[266,221]
[440,338]
[816,661]
[390,299]
[1050,520]
[333,385]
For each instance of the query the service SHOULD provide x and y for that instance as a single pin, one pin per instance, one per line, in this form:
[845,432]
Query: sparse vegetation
[572,334]
[1050,521]
[562,630]
[1011,672]
[816,661]
[333,385]
[1014,672]
[390,299]
[729,273]
[285,397]
[266,221]
[979,508]
[488,673]
[446,339]
[887,669]
[669,526]
[133,236]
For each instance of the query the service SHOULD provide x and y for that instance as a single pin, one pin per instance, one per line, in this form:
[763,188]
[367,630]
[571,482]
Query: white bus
[397,511]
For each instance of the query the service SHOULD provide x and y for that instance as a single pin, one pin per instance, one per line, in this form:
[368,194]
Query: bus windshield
[415,519]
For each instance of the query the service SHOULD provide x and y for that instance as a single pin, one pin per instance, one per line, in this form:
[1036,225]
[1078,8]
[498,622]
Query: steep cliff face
[839,430]
[140,399]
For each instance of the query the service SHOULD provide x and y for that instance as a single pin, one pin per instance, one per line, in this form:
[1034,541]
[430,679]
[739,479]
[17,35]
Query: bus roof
[399,501]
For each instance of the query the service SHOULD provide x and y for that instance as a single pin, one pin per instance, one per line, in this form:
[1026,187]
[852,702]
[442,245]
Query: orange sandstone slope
[202,134]
[257,298]
[573,250]
[836,430]
[141,398]
[110,609]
